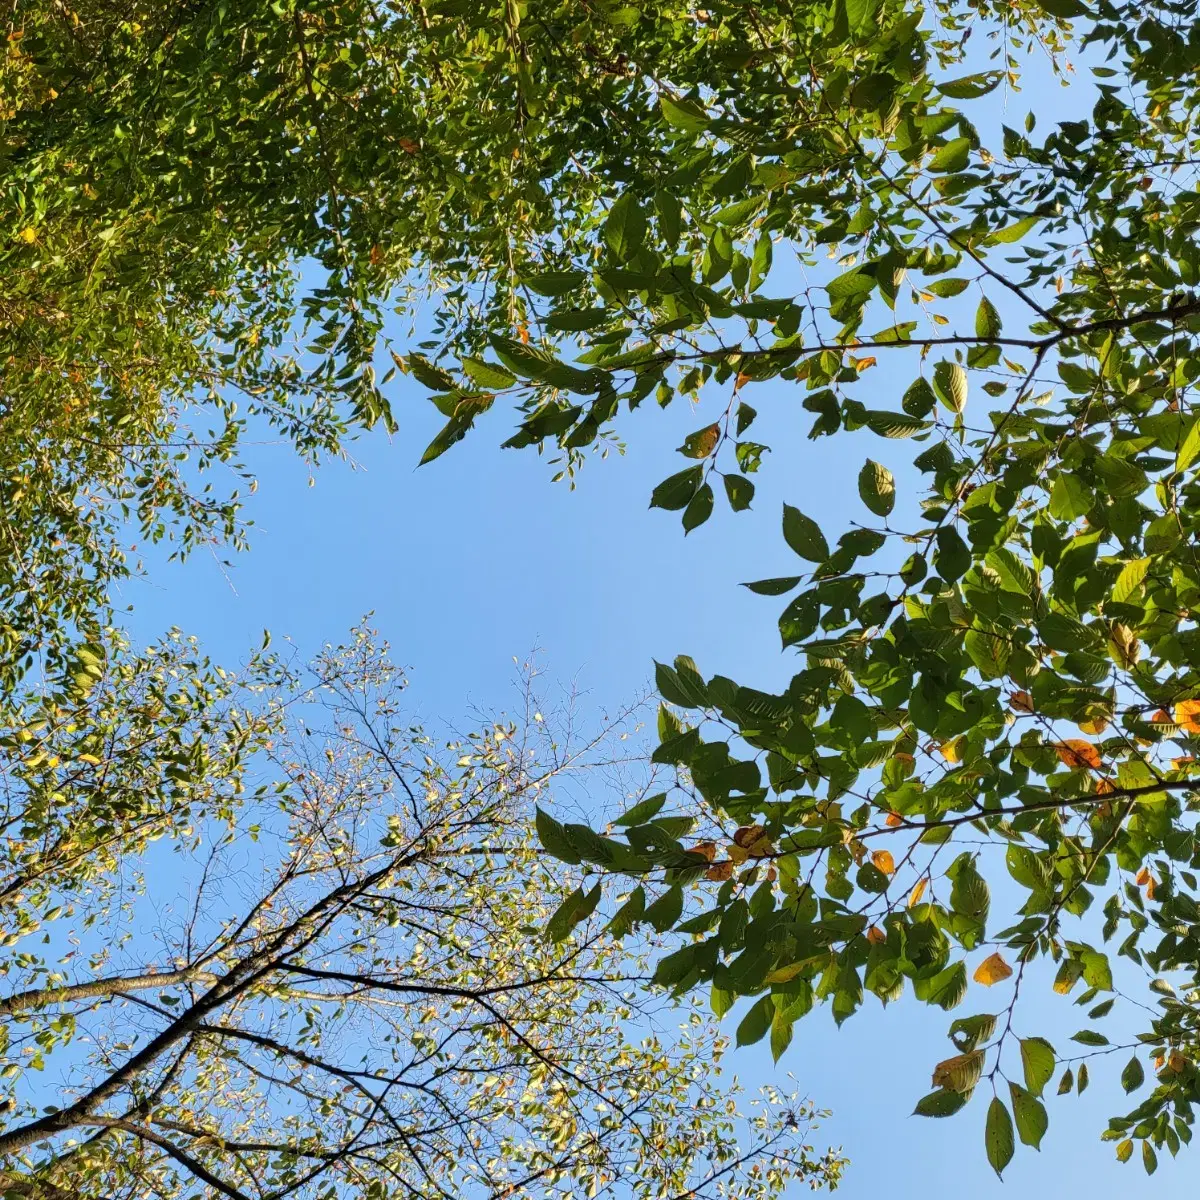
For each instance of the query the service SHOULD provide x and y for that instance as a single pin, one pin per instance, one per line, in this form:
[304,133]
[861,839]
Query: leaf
[677,490]
[1187,715]
[877,487]
[576,908]
[553,837]
[1189,448]
[626,917]
[555,283]
[699,508]
[625,227]
[1038,1060]
[1134,1075]
[666,910]
[1069,498]
[643,811]
[1078,754]
[701,443]
[998,1136]
[488,375]
[1029,1114]
[960,1073]
[860,12]
[1130,579]
[1089,1037]
[804,535]
[423,371]
[739,491]
[971,87]
[952,157]
[1125,1150]
[992,970]
[683,114]
[882,861]
[950,383]
[987,320]
[1065,8]
[773,587]
[942,1103]
[1149,1158]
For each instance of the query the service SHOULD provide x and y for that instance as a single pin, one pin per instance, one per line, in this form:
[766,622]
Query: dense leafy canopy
[214,205]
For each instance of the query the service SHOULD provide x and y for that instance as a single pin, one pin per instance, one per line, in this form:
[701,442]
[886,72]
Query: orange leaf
[1143,877]
[1077,754]
[1150,888]
[992,970]
[1184,760]
[1104,786]
[719,872]
[1021,702]
[1161,717]
[876,936]
[708,849]
[883,860]
[893,820]
[1187,715]
[915,897]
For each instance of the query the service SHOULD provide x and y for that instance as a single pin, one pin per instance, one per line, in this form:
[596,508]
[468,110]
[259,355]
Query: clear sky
[478,558]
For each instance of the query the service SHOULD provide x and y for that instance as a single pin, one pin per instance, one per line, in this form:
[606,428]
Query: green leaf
[699,508]
[804,535]
[1038,1060]
[773,587]
[739,491]
[1070,498]
[625,228]
[859,13]
[781,1032]
[626,918]
[1130,579]
[555,283]
[952,558]
[1030,1116]
[488,375]
[756,1022]
[1065,8]
[971,87]
[987,320]
[998,1136]
[877,487]
[942,1103]
[1134,1075]
[577,907]
[950,383]
[1149,1158]
[683,114]
[643,811]
[665,911]
[1189,448]
[952,157]
[1089,1037]
[676,491]
[553,838]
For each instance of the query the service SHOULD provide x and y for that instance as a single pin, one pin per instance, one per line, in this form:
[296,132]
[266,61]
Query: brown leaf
[1077,754]
[719,872]
[708,849]
[992,970]
[747,835]
[1021,702]
[1177,1062]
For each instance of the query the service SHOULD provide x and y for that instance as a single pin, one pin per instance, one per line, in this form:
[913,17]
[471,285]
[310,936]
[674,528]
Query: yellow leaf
[992,970]
[1098,726]
[90,759]
[1177,1062]
[738,854]
[1187,715]
[952,751]
[960,1073]
[915,897]
[1077,754]
[882,859]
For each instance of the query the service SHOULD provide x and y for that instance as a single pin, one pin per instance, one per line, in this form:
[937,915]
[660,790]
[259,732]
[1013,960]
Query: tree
[342,998]
[597,198]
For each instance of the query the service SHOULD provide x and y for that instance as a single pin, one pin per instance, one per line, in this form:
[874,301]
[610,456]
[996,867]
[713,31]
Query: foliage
[598,196]
[344,998]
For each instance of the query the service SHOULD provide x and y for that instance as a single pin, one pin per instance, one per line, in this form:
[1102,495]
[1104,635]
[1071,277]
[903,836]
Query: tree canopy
[341,995]
[999,675]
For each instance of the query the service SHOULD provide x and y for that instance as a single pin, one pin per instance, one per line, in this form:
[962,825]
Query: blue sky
[478,557]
